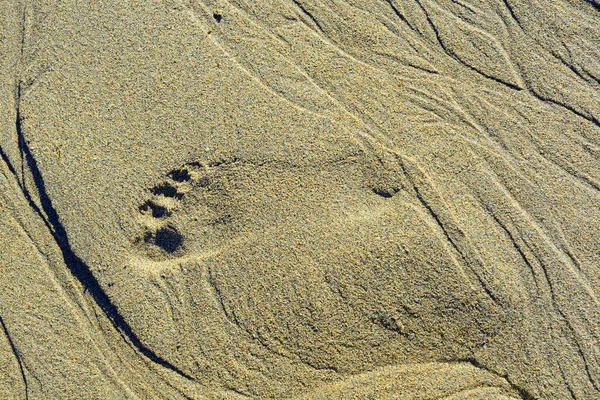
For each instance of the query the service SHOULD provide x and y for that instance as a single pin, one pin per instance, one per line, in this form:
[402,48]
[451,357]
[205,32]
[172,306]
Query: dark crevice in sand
[581,177]
[500,81]
[457,58]
[433,27]
[399,14]
[556,305]
[17,87]
[551,293]
[565,106]
[564,317]
[512,14]
[13,171]
[447,236]
[449,239]
[514,243]
[591,75]
[525,395]
[580,75]
[17,357]
[21,185]
[309,15]
[593,380]
[553,52]
[77,267]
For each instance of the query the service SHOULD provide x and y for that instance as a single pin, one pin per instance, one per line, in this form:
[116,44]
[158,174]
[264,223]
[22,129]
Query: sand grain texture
[318,199]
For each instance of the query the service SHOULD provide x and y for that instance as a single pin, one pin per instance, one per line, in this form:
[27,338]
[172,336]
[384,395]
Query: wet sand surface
[312,199]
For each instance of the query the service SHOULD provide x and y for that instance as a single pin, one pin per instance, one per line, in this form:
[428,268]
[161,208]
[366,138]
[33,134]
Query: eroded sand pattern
[316,199]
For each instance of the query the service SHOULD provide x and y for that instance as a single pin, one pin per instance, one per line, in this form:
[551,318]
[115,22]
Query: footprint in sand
[168,211]
[161,239]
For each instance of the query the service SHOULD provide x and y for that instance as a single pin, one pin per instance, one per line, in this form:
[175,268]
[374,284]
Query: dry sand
[318,199]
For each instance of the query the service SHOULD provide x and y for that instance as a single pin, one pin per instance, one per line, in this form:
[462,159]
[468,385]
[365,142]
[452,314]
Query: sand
[311,199]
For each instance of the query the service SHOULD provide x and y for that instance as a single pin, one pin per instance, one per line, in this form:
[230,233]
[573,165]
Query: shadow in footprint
[167,190]
[180,175]
[167,238]
[157,211]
